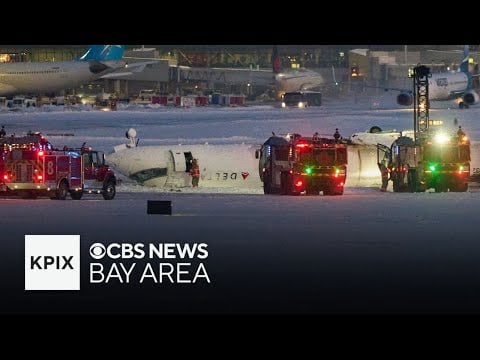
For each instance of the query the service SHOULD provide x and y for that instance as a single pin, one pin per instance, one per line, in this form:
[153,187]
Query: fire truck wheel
[28,195]
[396,185]
[285,186]
[338,191]
[76,195]
[266,188]
[440,187]
[412,181]
[267,184]
[62,191]
[109,191]
[459,187]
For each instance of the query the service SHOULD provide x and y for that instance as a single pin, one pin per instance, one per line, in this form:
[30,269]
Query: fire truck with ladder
[31,167]
[435,157]
[295,164]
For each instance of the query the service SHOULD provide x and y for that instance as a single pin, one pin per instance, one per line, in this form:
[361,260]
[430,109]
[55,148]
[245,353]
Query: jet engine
[96,67]
[471,97]
[404,99]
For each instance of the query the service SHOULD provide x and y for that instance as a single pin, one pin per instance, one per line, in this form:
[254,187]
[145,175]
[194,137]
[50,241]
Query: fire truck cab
[97,176]
[295,164]
[31,167]
[437,159]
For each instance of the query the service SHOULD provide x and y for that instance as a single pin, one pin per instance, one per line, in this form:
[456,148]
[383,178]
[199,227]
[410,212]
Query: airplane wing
[115,74]
[132,69]
[402,90]
[244,70]
[139,66]
[452,52]
[457,93]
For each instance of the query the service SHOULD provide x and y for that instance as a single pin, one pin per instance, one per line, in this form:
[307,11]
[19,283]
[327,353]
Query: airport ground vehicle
[301,99]
[436,160]
[435,157]
[295,164]
[145,96]
[31,167]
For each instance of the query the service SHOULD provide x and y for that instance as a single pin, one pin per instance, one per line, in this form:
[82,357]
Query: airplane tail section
[464,64]
[276,61]
[465,68]
[103,53]
[333,76]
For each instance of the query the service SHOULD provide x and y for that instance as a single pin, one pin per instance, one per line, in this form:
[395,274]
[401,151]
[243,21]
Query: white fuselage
[387,138]
[445,86]
[221,166]
[44,77]
[294,80]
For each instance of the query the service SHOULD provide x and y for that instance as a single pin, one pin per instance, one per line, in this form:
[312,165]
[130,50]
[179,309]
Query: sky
[363,252]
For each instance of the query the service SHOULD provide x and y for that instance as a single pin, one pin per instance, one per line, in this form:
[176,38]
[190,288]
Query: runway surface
[364,252]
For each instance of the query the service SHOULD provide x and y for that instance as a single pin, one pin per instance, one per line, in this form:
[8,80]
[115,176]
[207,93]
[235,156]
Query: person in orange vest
[195,173]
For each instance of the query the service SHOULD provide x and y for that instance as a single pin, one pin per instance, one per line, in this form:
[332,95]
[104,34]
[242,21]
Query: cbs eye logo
[97,251]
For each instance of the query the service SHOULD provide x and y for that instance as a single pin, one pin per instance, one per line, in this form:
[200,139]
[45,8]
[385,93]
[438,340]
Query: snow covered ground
[364,252]
[158,125]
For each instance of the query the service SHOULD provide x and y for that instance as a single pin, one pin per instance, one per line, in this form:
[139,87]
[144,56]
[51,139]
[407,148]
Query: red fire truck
[295,164]
[31,167]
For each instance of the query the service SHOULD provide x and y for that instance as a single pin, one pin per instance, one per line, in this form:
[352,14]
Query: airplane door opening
[188,161]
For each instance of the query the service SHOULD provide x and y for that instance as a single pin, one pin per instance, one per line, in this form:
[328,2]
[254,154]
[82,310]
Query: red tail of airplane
[276,61]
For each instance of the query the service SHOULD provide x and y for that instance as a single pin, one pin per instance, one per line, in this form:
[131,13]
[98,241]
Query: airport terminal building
[203,69]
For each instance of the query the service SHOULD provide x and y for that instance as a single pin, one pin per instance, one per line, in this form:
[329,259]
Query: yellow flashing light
[435,122]
[441,138]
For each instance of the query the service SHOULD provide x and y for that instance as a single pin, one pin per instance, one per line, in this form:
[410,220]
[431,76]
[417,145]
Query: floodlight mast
[421,103]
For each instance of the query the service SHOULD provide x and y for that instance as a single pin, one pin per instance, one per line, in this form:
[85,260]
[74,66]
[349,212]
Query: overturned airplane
[221,166]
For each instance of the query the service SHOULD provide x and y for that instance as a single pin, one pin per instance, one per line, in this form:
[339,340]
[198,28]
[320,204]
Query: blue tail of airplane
[103,52]
[464,64]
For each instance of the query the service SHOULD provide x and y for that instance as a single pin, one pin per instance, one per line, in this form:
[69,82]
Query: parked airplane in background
[36,78]
[293,79]
[447,86]
[278,79]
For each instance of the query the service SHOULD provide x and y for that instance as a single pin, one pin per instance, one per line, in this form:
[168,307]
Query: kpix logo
[52,262]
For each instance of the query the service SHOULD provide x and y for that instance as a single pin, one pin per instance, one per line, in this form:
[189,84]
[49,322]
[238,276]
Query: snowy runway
[365,251]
